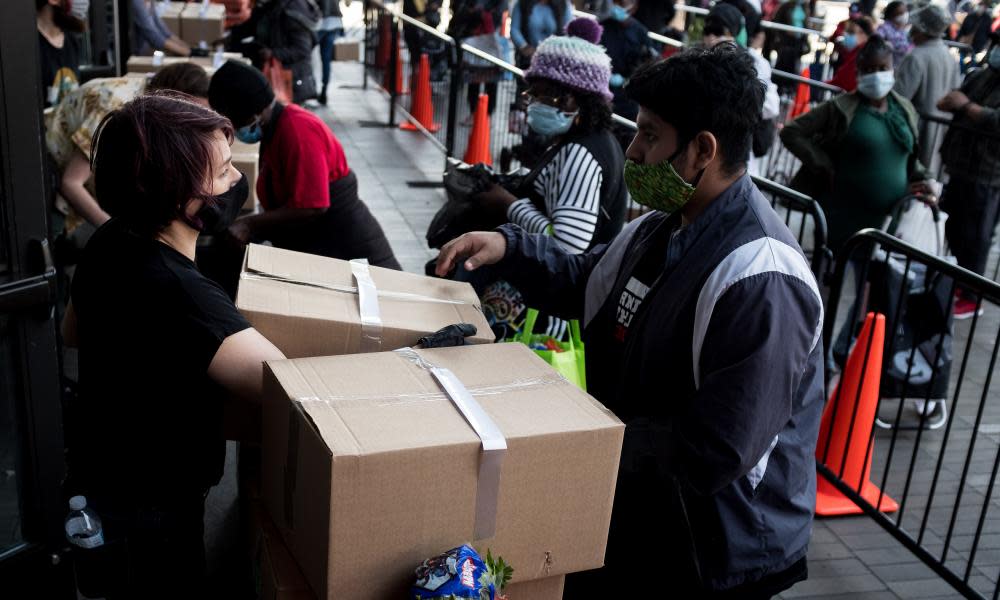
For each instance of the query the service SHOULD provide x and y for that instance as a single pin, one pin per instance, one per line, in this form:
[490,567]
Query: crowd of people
[707,288]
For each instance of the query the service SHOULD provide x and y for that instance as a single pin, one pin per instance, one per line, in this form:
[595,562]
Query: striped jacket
[706,341]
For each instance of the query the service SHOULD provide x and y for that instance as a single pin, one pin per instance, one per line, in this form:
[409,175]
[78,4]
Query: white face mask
[901,20]
[80,9]
[876,85]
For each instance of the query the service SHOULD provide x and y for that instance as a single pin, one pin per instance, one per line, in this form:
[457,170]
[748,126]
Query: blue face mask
[249,134]
[548,120]
[798,16]
[850,41]
[618,13]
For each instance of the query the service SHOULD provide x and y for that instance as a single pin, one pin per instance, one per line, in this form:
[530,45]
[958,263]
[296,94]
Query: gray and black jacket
[706,341]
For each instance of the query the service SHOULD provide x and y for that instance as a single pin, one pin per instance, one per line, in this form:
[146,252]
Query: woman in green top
[859,150]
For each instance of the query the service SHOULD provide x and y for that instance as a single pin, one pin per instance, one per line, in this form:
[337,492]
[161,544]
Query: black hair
[187,78]
[875,48]
[892,9]
[595,113]
[705,89]
[866,24]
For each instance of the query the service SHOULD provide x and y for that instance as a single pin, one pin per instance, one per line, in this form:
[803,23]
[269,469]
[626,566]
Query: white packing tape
[371,316]
[493,442]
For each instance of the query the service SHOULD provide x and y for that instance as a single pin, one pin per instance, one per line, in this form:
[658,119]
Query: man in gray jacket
[925,75]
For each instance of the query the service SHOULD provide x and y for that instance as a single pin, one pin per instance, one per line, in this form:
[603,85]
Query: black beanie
[726,15]
[239,92]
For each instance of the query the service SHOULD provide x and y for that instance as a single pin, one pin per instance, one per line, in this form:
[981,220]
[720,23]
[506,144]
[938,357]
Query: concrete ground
[849,557]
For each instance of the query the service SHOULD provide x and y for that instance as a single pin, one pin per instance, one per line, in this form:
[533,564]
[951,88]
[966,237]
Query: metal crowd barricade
[934,490]
[805,219]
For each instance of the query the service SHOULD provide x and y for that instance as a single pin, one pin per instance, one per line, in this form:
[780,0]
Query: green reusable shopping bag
[570,363]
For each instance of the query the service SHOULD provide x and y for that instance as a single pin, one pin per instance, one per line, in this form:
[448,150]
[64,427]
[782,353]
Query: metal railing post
[366,8]
[394,60]
[454,87]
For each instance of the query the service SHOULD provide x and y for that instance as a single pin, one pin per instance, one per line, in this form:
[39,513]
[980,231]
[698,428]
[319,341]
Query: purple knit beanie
[574,60]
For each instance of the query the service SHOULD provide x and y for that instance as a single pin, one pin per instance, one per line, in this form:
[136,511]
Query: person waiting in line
[534,21]
[723,25]
[161,347]
[856,35]
[925,75]
[975,31]
[703,329]
[69,132]
[896,19]
[629,47]
[149,33]
[971,156]
[859,150]
[286,31]
[853,12]
[576,193]
[331,27]
[60,48]
[308,192]
[477,23]
[789,46]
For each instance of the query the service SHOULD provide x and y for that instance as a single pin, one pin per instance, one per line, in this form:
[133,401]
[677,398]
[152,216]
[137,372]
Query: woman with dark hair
[533,21]
[857,33]
[894,29]
[859,150]
[576,192]
[60,47]
[161,347]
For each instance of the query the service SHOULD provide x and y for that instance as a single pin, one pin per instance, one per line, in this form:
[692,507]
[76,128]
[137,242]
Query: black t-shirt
[147,425]
[60,67]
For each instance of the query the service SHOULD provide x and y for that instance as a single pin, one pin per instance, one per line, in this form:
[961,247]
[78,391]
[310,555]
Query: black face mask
[217,214]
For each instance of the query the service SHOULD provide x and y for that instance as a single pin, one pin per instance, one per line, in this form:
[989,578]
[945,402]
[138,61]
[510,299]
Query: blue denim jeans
[326,40]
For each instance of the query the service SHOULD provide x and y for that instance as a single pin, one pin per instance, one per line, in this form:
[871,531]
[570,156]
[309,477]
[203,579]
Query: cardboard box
[276,574]
[320,315]
[347,50]
[550,588]
[369,468]
[201,22]
[170,14]
[246,158]
[152,64]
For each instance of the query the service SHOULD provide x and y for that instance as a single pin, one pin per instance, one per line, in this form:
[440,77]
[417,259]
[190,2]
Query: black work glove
[196,51]
[452,335]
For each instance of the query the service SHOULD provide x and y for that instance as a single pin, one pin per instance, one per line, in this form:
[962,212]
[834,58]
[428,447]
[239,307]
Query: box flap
[382,402]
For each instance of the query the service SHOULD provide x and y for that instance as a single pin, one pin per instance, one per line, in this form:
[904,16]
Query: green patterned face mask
[659,186]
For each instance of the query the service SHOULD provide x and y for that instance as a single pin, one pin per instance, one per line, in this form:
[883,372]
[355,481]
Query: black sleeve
[207,317]
[550,278]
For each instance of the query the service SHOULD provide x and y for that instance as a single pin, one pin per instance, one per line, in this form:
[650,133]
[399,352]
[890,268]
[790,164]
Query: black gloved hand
[452,335]
[196,51]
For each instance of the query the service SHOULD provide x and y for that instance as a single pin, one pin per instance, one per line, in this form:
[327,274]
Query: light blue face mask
[798,16]
[850,41]
[548,120]
[993,58]
[619,13]
[250,134]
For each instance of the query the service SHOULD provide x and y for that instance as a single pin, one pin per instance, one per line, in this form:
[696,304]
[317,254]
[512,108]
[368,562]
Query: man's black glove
[196,51]
[452,335]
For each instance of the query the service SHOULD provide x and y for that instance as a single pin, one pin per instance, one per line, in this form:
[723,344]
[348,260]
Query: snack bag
[458,573]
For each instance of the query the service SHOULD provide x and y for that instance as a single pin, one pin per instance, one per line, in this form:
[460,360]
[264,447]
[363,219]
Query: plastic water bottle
[83,526]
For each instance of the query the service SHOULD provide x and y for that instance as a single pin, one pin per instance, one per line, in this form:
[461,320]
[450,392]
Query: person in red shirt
[855,37]
[308,192]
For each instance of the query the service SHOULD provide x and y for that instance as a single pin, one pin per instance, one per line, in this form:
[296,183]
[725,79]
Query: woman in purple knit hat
[575,192]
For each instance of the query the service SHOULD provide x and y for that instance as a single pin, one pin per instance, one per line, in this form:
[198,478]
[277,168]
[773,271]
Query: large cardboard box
[308,305]
[276,574]
[246,158]
[347,50]
[202,22]
[369,467]
[550,588]
[170,13]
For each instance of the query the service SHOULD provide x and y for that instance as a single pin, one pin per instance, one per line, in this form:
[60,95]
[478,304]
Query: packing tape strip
[347,289]
[371,316]
[493,441]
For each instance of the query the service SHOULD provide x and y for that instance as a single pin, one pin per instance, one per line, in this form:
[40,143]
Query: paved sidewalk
[849,557]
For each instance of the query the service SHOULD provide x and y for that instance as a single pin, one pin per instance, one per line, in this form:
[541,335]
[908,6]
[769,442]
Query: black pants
[473,95]
[150,551]
[973,209]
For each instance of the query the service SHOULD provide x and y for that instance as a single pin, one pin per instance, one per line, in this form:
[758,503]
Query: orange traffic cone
[801,103]
[421,108]
[478,150]
[400,87]
[384,42]
[853,417]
